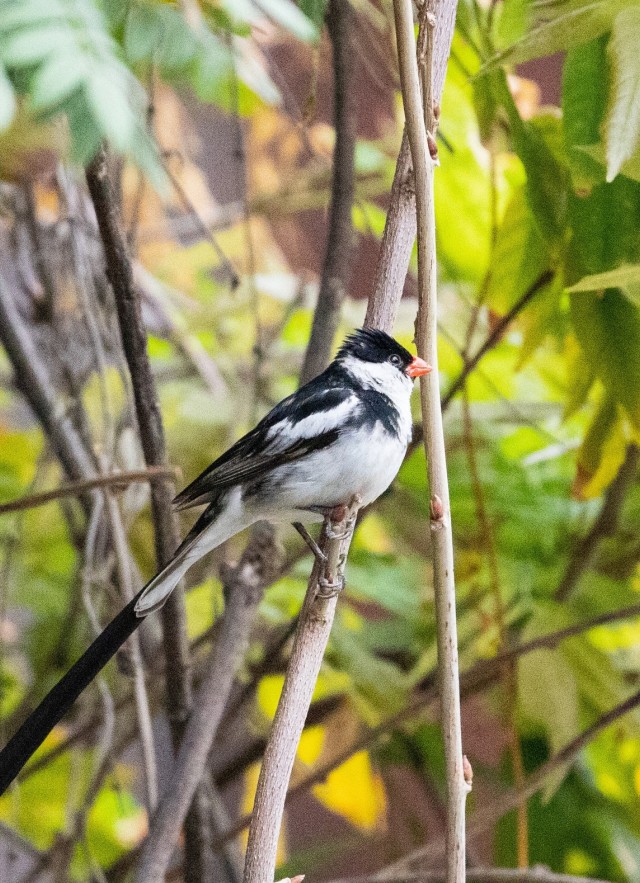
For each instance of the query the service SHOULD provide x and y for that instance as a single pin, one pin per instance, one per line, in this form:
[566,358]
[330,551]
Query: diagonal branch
[495,810]
[244,586]
[537,874]
[479,676]
[33,381]
[336,271]
[496,333]
[605,524]
[134,340]
[400,226]
[312,635]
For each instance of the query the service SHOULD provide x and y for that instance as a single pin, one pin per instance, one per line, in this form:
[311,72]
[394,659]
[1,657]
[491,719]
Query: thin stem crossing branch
[426,338]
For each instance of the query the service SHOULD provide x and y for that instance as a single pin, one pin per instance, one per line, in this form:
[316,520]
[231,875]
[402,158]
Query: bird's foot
[337,513]
[328,589]
[318,554]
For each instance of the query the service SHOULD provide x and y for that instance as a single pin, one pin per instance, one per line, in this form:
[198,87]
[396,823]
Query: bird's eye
[395,360]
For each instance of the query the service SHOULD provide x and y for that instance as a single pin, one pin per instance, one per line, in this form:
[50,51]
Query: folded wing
[309,420]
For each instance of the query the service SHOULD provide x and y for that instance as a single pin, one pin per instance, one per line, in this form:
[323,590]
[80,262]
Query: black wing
[307,421]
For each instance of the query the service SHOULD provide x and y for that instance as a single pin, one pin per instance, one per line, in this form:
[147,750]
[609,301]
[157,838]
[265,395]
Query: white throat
[381,376]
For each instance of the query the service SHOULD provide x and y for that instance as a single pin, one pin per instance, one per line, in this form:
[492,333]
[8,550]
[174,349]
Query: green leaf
[605,228]
[7,100]
[566,25]
[31,46]
[291,18]
[315,11]
[56,80]
[538,144]
[584,90]
[520,255]
[114,116]
[597,153]
[556,707]
[625,277]
[623,123]
[615,356]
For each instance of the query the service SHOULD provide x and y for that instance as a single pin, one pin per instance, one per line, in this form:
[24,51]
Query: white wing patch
[286,432]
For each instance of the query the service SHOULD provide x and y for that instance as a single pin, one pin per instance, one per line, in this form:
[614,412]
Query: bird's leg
[318,554]
[337,513]
[330,588]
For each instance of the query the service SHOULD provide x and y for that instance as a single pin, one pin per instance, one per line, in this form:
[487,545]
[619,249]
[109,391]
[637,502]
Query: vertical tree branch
[337,263]
[312,635]
[400,226]
[120,274]
[440,513]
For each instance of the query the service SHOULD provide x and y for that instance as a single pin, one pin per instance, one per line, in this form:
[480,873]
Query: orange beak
[418,367]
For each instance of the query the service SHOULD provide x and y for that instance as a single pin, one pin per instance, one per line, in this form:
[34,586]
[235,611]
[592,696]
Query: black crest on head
[371,345]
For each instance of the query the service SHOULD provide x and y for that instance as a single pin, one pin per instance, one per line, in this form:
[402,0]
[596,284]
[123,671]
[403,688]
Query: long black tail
[59,700]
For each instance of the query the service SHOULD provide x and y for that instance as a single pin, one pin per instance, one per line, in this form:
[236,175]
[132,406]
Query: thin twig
[312,635]
[115,480]
[440,512]
[336,270]
[510,669]
[204,229]
[605,524]
[134,340]
[495,336]
[244,587]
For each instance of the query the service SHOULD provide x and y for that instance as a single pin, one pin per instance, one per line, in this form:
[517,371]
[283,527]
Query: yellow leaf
[311,745]
[356,792]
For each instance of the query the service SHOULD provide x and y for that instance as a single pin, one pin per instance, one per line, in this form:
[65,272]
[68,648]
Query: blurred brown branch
[134,340]
[116,480]
[336,271]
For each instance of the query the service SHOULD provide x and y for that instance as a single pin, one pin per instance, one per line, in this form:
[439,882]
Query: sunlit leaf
[615,358]
[584,78]
[354,790]
[623,123]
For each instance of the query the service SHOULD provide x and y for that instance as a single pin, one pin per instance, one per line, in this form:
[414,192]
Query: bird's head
[377,359]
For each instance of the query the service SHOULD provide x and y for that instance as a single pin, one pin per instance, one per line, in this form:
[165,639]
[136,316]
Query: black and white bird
[345,433]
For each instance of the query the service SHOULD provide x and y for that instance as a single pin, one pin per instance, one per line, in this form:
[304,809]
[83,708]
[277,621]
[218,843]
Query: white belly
[365,467]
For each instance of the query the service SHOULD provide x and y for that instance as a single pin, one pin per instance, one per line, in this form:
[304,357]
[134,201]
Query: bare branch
[312,634]
[244,586]
[427,345]
[77,488]
[120,273]
[143,713]
[33,381]
[400,226]
[605,524]
[336,271]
